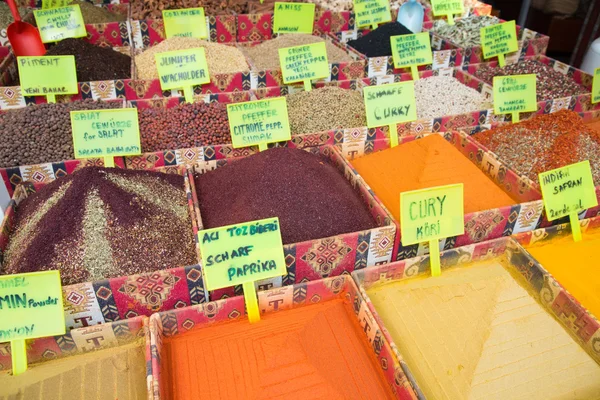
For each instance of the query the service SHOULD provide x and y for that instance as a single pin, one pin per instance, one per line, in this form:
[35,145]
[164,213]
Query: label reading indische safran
[258,122]
[304,63]
[182,68]
[47,75]
[56,24]
[515,94]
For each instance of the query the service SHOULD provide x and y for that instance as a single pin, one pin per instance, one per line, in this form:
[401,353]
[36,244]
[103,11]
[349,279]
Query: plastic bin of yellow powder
[494,325]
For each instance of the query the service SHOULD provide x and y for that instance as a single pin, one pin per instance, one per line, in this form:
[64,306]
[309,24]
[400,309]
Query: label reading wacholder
[182,68]
[515,94]
[302,63]
[258,122]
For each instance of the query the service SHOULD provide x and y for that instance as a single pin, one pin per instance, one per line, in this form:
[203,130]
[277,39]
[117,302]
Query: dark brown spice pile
[309,195]
[101,223]
[97,15]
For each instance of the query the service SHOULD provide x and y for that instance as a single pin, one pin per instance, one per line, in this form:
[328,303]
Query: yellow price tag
[293,17]
[54,3]
[242,254]
[447,8]
[389,105]
[371,12]
[182,69]
[412,51]
[258,122]
[498,40]
[31,307]
[568,191]
[515,94]
[56,24]
[47,76]
[596,86]
[303,63]
[187,22]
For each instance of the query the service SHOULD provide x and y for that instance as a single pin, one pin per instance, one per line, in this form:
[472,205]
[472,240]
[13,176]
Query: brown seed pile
[142,9]
[101,223]
[186,125]
[97,15]
[41,133]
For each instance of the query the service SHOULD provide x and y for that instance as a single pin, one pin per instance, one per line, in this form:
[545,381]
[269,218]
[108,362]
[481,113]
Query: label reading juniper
[187,22]
[499,39]
[371,12]
[410,50]
[182,68]
[447,7]
[515,94]
[47,75]
[293,17]
[303,63]
[258,122]
[596,86]
[56,24]
[390,104]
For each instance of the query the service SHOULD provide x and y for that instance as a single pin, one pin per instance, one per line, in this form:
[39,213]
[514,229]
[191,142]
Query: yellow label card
[106,133]
[371,12]
[293,17]
[182,68]
[499,39]
[47,75]
[186,22]
[433,213]
[31,306]
[515,94]
[258,122]
[54,3]
[410,50]
[447,7]
[390,104]
[303,63]
[241,253]
[596,86]
[568,190]
[60,23]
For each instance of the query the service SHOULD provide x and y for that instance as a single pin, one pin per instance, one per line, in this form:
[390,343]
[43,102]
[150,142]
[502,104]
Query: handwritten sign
[389,105]
[568,191]
[371,12]
[514,94]
[258,122]
[303,63]
[60,23]
[182,69]
[242,254]
[54,3]
[596,86]
[498,40]
[47,76]
[447,8]
[293,17]
[187,22]
[411,51]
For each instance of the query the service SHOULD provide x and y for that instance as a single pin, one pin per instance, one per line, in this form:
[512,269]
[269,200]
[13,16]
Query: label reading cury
[182,68]
[47,75]
[596,86]
[447,7]
[293,17]
[410,50]
[60,23]
[499,39]
[31,306]
[186,22]
[303,63]
[258,122]
[390,104]
[433,213]
[371,12]
[241,253]
[515,94]
[106,133]
[54,3]
[568,190]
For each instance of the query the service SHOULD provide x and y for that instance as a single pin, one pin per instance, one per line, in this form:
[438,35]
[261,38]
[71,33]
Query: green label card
[293,17]
[515,94]
[499,39]
[446,7]
[241,253]
[187,22]
[304,62]
[106,133]
[596,86]
[410,50]
[390,104]
[182,68]
[568,190]
[54,3]
[371,12]
[47,75]
[31,306]
[433,213]
[56,24]
[258,122]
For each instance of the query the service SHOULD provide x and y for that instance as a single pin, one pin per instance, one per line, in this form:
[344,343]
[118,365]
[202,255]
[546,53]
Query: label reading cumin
[304,63]
[47,75]
[596,86]
[371,12]
[56,24]
[515,94]
[186,22]
[293,17]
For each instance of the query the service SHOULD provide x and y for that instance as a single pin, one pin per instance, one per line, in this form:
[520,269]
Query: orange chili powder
[423,163]
[317,351]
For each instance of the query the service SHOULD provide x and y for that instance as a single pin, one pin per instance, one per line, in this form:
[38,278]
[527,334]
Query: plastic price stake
[498,40]
[182,69]
[389,105]
[47,76]
[371,12]
[56,24]
[258,122]
[186,22]
[106,133]
[412,51]
[515,94]
[31,307]
[447,8]
[428,215]
[54,3]
[596,86]
[568,191]
[241,254]
[303,63]
[293,17]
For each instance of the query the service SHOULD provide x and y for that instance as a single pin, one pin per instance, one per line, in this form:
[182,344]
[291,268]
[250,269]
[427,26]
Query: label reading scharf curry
[390,104]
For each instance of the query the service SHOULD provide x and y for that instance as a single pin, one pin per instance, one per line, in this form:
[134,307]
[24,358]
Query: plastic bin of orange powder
[494,325]
[314,340]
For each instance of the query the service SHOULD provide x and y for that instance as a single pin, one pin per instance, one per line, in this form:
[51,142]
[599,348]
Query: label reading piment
[186,22]
[303,63]
[447,7]
[60,23]
[106,133]
[515,94]
[241,253]
[390,104]
[31,306]
[293,17]
[410,50]
[47,75]
[499,39]
[54,3]
[371,12]
[182,68]
[596,86]
[258,122]
[568,190]
[433,213]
